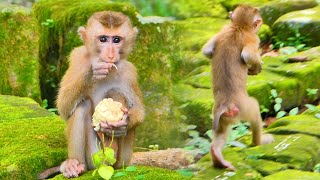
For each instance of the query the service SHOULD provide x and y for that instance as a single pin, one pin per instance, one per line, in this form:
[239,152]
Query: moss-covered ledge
[294,150]
[19,53]
[32,139]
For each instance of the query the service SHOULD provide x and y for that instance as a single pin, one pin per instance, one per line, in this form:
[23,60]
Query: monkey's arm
[208,48]
[136,111]
[74,82]
[250,55]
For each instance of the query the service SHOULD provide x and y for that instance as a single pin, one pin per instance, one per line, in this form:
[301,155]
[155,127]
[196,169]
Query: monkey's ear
[82,33]
[230,15]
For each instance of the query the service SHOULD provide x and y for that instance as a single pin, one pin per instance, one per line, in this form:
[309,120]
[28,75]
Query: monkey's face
[109,46]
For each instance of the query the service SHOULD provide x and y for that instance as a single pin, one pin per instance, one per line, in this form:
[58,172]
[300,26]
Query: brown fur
[234,53]
[82,88]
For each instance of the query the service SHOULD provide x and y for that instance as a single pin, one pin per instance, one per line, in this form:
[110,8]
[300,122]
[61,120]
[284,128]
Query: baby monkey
[234,53]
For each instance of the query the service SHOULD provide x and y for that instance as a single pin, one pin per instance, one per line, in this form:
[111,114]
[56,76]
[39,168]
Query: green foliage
[297,41]
[316,168]
[265,33]
[103,157]
[312,94]
[278,105]
[178,8]
[201,144]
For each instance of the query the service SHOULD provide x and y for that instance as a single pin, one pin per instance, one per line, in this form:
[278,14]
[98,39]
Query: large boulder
[19,53]
[32,138]
[302,25]
[271,11]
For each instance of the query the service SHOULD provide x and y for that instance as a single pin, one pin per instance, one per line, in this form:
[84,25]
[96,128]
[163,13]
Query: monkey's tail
[51,172]
[221,109]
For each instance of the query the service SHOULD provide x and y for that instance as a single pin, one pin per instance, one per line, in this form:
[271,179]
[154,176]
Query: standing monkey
[99,70]
[234,53]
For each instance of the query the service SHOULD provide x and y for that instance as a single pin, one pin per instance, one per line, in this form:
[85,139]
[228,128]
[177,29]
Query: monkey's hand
[101,69]
[118,129]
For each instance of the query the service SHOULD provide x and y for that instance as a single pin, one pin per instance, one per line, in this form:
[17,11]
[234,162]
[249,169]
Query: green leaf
[300,46]
[316,168]
[94,172]
[280,114]
[311,107]
[119,174]
[209,134]
[294,111]
[274,93]
[278,100]
[318,115]
[97,158]
[193,133]
[106,172]
[140,177]
[189,148]
[131,169]
[189,127]
[277,107]
[109,155]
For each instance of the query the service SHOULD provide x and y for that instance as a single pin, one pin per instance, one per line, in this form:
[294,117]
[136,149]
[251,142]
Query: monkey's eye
[116,39]
[103,39]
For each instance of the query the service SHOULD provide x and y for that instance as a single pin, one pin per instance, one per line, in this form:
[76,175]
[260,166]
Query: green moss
[14,108]
[147,172]
[19,53]
[231,154]
[30,146]
[270,12]
[231,4]
[200,8]
[265,33]
[305,21]
[32,139]
[304,124]
[293,174]
[196,105]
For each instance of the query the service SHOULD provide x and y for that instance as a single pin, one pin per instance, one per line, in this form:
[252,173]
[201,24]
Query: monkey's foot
[71,168]
[218,160]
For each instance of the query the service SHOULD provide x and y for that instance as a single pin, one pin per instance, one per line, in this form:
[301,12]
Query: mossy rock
[305,22]
[196,105]
[306,72]
[32,139]
[142,172]
[303,124]
[293,174]
[295,149]
[230,5]
[19,53]
[193,34]
[271,11]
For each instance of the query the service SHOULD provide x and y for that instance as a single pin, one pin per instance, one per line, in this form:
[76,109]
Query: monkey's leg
[250,111]
[91,142]
[221,135]
[75,164]
[125,145]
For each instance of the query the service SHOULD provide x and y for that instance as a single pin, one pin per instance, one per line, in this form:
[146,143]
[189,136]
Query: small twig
[115,66]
